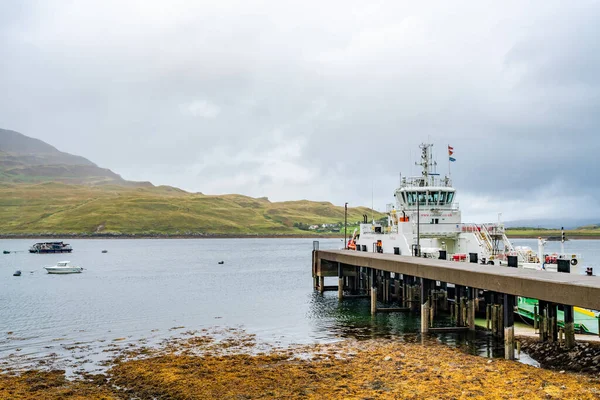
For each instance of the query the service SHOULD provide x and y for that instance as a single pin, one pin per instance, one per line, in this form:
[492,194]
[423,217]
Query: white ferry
[426,221]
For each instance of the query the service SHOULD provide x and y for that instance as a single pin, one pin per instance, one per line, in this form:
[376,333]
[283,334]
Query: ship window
[450,197]
[443,198]
[436,197]
[403,197]
[422,198]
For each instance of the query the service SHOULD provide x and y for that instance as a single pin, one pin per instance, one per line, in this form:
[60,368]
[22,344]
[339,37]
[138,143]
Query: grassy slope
[60,209]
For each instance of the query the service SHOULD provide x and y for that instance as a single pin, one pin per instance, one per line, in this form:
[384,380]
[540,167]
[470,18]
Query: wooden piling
[569,329]
[373,292]
[509,326]
[321,284]
[425,312]
[458,293]
[340,281]
[471,309]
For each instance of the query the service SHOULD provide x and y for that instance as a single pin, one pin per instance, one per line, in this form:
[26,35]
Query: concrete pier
[421,285]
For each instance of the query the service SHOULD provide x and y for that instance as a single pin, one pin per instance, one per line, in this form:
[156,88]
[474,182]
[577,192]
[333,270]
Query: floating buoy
[17,273]
[221,262]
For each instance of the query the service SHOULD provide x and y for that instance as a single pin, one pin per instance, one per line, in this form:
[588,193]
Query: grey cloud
[326,101]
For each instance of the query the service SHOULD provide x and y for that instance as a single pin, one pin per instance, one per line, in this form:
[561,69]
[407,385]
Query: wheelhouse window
[443,197]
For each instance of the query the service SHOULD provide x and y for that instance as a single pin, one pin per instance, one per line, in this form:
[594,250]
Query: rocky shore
[584,357]
[237,367]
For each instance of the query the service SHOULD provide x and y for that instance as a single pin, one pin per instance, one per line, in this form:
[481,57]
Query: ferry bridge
[415,283]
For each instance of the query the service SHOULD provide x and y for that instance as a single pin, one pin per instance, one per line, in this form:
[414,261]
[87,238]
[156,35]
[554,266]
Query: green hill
[57,208]
[44,191]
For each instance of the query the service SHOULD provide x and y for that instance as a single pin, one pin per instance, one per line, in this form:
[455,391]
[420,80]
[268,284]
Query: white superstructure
[426,221]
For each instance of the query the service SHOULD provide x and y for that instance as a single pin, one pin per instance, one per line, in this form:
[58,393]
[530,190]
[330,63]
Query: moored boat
[51,247]
[425,221]
[63,267]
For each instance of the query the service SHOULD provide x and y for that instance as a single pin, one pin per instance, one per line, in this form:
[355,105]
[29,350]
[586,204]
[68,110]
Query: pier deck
[555,287]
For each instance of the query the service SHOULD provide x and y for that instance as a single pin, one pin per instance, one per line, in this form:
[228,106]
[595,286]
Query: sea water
[146,290]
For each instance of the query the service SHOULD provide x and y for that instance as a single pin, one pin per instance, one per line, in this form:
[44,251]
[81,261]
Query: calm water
[150,289]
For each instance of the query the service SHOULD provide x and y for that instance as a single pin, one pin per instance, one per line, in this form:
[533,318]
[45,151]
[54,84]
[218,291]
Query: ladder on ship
[483,238]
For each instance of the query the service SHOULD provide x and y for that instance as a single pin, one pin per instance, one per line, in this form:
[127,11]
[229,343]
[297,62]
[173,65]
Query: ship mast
[427,164]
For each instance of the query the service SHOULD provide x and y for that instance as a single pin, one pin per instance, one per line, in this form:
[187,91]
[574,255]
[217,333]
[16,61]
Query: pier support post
[340,281]
[426,285]
[509,326]
[444,288]
[386,287]
[458,302]
[373,291]
[321,284]
[471,309]
[553,322]
[543,324]
[569,318]
[396,287]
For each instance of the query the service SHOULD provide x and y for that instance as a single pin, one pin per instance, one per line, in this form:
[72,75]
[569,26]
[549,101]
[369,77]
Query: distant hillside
[27,160]
[57,208]
[547,223]
[44,191]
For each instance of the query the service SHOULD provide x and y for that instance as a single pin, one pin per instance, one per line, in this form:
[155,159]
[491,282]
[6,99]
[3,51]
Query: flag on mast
[450,152]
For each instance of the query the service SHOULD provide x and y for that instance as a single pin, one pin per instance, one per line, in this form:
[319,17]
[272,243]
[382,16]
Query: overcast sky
[319,100]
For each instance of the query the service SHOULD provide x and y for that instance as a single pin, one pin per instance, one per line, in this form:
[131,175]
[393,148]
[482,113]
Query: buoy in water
[17,273]
[221,262]
[105,251]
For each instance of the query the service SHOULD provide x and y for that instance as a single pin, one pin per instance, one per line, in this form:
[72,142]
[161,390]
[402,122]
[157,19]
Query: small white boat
[63,267]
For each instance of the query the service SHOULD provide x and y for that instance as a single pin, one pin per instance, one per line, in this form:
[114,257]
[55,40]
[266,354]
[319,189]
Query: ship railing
[419,181]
